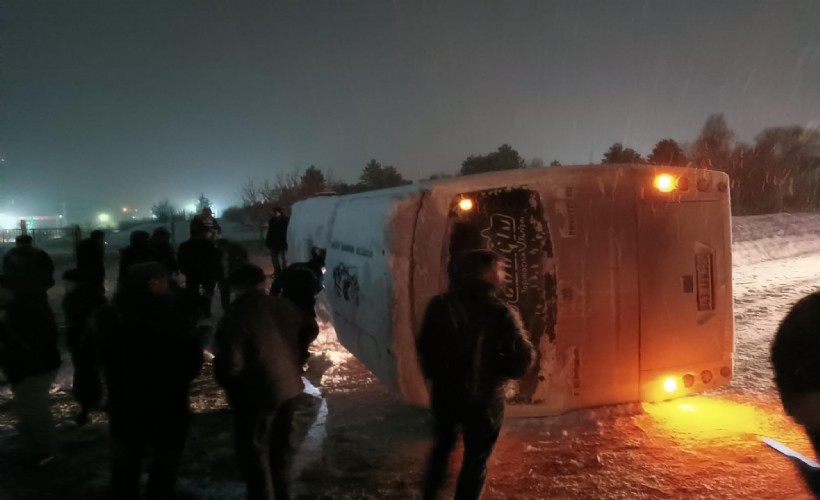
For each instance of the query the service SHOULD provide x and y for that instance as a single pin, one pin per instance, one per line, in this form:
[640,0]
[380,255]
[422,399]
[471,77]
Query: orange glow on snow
[705,418]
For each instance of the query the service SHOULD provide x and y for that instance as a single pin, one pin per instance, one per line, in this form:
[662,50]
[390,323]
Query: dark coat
[150,354]
[277,237]
[198,260]
[78,305]
[137,252]
[470,344]
[300,282]
[91,260]
[795,351]
[28,270]
[232,256]
[163,253]
[208,227]
[28,338]
[257,353]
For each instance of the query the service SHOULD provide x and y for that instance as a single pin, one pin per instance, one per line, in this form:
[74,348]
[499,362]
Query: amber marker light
[664,183]
[465,204]
[670,385]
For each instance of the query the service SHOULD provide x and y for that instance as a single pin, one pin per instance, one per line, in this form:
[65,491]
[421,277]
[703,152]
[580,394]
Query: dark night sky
[122,103]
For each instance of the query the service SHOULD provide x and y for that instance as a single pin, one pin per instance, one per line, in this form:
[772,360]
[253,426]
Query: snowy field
[355,441]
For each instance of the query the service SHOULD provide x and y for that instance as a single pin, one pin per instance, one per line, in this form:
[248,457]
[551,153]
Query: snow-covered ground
[356,441]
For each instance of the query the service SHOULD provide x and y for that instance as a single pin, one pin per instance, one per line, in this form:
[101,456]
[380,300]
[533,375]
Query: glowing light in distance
[103,217]
[465,204]
[664,183]
[670,385]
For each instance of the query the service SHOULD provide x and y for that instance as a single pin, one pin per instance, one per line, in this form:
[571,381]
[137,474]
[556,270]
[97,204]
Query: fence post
[23,226]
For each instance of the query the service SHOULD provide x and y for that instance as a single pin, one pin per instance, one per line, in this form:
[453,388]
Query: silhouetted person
[28,343]
[470,344]
[300,282]
[232,256]
[137,252]
[80,301]
[257,363]
[150,354]
[276,239]
[28,270]
[198,260]
[206,225]
[163,251]
[91,259]
[795,356]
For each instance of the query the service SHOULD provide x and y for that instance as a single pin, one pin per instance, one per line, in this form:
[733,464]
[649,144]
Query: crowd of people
[470,344]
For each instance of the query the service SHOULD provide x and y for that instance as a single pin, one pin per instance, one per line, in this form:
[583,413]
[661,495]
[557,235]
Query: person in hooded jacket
[150,354]
[469,345]
[91,259]
[257,363]
[276,239]
[198,260]
[232,256]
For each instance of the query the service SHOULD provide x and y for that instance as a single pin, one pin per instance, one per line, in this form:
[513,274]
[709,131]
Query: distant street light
[103,218]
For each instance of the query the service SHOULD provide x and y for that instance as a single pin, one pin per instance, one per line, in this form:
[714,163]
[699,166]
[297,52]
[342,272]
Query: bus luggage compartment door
[684,266]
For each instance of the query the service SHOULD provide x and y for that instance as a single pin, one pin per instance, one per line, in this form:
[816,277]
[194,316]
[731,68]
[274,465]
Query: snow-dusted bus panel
[621,275]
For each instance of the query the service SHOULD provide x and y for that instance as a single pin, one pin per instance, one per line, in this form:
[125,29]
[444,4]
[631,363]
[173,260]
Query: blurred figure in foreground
[80,301]
[470,344]
[300,282]
[28,343]
[795,356]
[257,363]
[150,354]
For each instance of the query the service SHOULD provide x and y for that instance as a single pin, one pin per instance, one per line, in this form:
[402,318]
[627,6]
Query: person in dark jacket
[232,256]
[150,354]
[795,355]
[300,282]
[81,299]
[28,343]
[277,239]
[163,251]
[469,345]
[205,224]
[91,259]
[199,262]
[137,252]
[257,363]
[28,270]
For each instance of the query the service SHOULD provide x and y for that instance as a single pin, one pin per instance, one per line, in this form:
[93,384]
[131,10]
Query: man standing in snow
[206,225]
[795,358]
[277,239]
[91,259]
[257,363]
[470,344]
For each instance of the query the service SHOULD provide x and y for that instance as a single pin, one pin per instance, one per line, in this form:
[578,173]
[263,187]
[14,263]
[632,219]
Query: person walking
[91,259]
[257,363]
[276,239]
[469,345]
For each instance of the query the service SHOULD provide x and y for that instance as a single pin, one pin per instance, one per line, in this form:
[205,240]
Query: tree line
[779,171]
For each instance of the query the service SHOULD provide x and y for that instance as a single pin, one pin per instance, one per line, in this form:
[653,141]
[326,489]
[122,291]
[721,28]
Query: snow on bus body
[622,275]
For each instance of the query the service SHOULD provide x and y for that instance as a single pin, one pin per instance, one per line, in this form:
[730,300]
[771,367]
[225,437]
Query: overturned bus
[622,275]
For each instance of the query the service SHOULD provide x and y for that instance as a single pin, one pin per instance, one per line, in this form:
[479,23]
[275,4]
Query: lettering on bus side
[705,281]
